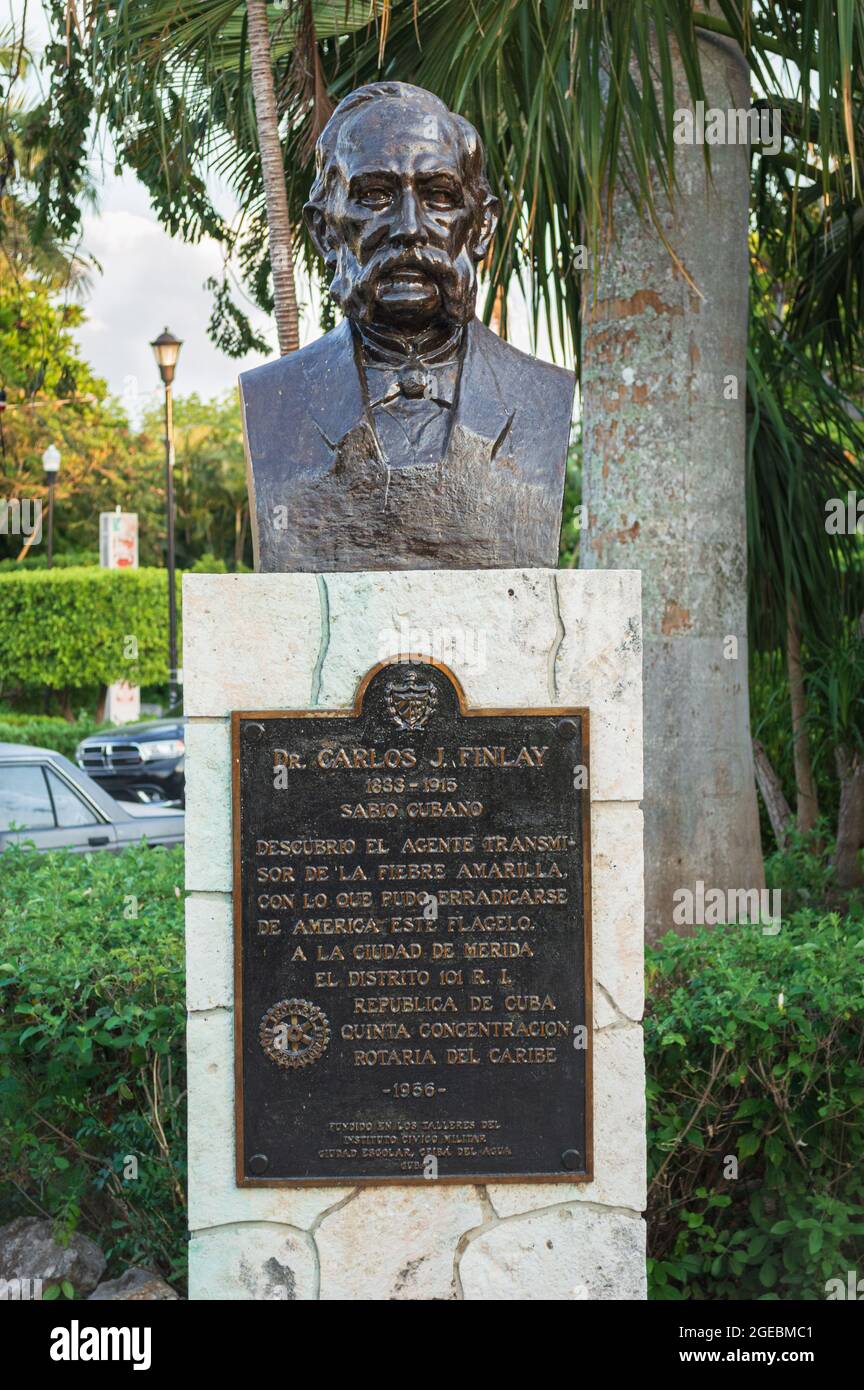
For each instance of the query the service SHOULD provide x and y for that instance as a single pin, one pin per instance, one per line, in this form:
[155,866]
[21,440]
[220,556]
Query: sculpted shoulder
[554,383]
[286,374]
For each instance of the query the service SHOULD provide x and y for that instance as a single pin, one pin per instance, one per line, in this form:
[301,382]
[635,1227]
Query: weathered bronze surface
[412,946]
[410,436]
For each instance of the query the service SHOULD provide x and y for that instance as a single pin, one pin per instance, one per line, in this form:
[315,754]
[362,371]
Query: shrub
[92,1062]
[68,560]
[755,1057]
[70,628]
[41,731]
[804,873]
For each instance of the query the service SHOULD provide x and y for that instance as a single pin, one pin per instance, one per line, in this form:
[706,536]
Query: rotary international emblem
[294,1033]
[411,701]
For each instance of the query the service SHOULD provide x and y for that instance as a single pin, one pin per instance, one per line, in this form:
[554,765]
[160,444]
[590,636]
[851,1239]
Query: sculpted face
[403,225]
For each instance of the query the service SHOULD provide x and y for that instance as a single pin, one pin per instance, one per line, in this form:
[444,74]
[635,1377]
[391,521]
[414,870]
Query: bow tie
[413,381]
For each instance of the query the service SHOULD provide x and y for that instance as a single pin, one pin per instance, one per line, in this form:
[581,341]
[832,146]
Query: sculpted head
[400,208]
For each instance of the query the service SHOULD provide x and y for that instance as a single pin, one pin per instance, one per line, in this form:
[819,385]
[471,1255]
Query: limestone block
[618,911]
[240,638]
[258,1260]
[513,638]
[570,1252]
[396,1242]
[209,951]
[209,866]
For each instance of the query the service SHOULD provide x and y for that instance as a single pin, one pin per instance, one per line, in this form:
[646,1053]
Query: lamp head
[166,350]
[51,461]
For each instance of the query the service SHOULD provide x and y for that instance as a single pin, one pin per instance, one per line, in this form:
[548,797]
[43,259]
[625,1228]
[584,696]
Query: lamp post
[166,350]
[51,464]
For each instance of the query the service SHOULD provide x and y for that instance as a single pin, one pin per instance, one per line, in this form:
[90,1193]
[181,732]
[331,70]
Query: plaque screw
[259,1163]
[570,1159]
[253,732]
[568,728]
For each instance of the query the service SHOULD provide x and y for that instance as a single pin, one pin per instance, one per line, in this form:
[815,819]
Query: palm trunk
[771,788]
[805,785]
[663,390]
[850,818]
[273,173]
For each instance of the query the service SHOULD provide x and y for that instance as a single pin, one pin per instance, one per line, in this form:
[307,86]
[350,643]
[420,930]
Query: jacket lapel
[335,396]
[480,409]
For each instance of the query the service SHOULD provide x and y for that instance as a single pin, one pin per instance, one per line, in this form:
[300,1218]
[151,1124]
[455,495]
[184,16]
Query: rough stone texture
[135,1285]
[396,1242]
[566,1252]
[224,673]
[533,638]
[28,1250]
[254,1261]
[209,951]
[209,867]
[617,911]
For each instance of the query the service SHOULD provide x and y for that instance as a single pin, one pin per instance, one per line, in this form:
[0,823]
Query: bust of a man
[410,436]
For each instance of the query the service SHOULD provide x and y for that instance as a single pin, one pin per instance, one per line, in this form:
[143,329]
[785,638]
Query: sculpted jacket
[325,497]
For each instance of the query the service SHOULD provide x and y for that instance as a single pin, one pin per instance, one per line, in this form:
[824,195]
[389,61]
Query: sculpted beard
[355,287]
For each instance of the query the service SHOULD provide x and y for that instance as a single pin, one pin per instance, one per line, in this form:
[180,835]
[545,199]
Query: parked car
[138,762]
[46,799]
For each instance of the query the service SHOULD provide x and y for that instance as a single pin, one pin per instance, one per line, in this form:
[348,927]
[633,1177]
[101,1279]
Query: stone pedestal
[513,638]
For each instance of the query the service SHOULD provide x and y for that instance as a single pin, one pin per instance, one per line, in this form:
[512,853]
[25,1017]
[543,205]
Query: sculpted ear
[487,223]
[317,225]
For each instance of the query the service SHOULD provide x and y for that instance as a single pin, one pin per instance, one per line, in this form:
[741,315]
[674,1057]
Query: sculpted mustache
[432,260]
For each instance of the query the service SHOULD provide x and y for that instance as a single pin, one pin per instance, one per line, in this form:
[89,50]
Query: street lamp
[51,464]
[166,350]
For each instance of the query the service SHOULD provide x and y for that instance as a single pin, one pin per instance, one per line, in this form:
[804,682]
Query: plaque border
[468,712]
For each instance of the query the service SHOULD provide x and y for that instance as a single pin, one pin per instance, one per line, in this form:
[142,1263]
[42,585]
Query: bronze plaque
[412,939]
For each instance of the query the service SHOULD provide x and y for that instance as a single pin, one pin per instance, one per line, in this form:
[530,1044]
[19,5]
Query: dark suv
[138,762]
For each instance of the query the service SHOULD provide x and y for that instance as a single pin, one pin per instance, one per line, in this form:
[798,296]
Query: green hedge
[755,1058]
[44,731]
[67,560]
[92,1062]
[71,628]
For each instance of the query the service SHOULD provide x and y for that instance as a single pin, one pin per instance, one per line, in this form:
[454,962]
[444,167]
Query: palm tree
[273,175]
[27,244]
[190,90]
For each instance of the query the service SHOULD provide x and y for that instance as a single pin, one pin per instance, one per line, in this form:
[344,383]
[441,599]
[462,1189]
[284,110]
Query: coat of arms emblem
[411,701]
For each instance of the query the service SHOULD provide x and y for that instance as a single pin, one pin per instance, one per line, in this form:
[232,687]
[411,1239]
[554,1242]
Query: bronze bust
[410,436]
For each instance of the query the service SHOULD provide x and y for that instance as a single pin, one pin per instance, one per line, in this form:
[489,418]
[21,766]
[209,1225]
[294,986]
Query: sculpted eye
[374,197]
[441,196]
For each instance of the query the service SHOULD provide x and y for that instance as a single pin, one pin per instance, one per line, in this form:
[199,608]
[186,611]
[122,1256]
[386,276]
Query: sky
[149,280]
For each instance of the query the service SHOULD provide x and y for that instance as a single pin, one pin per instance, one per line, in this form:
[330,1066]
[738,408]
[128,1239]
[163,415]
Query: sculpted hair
[473,159]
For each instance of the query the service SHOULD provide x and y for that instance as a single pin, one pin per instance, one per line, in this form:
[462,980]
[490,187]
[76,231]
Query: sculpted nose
[407,225]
